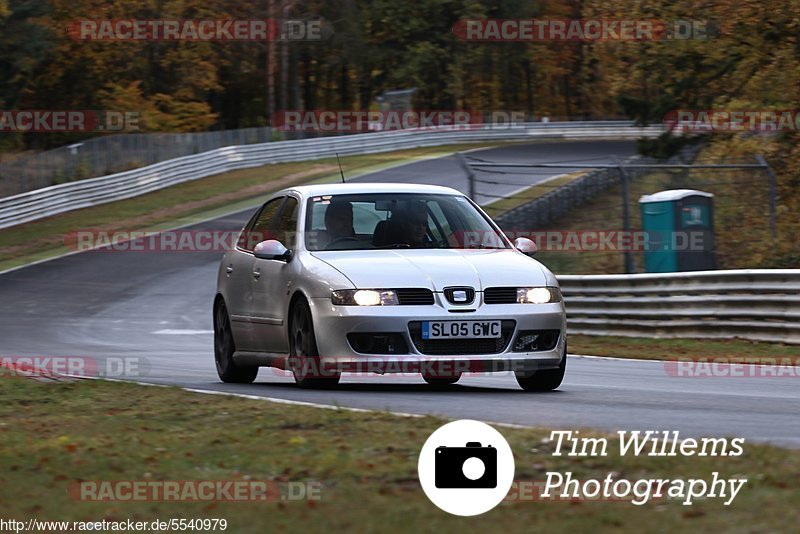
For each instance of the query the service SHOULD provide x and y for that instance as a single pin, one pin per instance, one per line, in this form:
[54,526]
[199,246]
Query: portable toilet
[679,224]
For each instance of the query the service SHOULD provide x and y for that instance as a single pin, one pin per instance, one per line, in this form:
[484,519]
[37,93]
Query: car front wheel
[545,380]
[304,358]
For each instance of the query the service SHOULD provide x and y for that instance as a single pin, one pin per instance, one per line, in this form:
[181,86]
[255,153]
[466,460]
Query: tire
[441,381]
[224,348]
[546,380]
[303,354]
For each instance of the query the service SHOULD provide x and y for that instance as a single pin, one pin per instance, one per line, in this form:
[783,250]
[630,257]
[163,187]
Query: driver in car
[413,223]
[339,222]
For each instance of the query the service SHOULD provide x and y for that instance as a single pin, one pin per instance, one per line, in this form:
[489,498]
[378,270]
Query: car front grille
[500,295]
[461,347]
[411,296]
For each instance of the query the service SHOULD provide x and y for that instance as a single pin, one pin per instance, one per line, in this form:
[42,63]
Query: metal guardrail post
[626,216]
[773,196]
[470,175]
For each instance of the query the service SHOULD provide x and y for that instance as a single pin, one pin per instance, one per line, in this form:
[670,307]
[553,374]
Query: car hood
[435,269]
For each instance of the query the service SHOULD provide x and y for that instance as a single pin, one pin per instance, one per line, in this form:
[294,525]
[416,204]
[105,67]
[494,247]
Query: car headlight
[538,295]
[364,297]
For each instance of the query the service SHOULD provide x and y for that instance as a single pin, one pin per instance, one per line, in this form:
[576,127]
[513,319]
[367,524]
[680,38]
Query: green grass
[672,349]
[55,434]
[192,201]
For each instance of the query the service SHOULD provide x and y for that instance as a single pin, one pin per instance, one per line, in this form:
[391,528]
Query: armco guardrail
[107,154]
[758,304]
[56,199]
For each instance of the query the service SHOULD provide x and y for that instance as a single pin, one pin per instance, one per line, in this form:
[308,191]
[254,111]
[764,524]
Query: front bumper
[333,323]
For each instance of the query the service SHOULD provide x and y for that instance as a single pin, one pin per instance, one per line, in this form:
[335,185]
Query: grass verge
[55,434]
[673,349]
[502,205]
[192,201]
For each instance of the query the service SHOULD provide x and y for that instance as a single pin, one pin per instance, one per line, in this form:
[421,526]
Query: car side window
[258,229]
[286,232]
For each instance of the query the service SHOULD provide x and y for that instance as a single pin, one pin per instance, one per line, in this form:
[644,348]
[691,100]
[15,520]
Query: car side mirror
[525,245]
[272,250]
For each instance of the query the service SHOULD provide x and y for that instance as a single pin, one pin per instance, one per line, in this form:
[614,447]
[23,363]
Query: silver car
[385,278]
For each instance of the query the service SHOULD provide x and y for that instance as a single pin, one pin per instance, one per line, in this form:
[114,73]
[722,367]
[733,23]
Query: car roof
[368,187]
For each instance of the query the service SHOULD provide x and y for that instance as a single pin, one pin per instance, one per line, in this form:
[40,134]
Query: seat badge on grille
[459,295]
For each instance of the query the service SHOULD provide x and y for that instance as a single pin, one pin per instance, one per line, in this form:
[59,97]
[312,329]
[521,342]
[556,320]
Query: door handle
[256,274]
[229,269]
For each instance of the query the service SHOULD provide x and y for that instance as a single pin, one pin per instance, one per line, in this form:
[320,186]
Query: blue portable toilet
[680,227]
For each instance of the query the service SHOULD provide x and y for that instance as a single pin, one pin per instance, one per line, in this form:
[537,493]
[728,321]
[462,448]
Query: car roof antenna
[340,167]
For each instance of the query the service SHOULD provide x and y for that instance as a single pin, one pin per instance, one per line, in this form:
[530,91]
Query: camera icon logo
[472,466]
[466,467]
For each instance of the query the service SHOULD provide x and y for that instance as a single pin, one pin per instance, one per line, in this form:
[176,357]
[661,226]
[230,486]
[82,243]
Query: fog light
[526,343]
[536,340]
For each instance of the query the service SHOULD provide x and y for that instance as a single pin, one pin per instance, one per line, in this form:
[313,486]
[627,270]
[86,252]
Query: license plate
[460,329]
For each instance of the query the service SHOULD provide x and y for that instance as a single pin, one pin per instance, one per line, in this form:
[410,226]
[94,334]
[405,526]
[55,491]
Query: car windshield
[397,221]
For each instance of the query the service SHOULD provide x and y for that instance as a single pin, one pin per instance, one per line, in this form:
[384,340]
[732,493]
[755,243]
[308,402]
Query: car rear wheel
[304,358]
[439,381]
[546,380]
[224,348]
